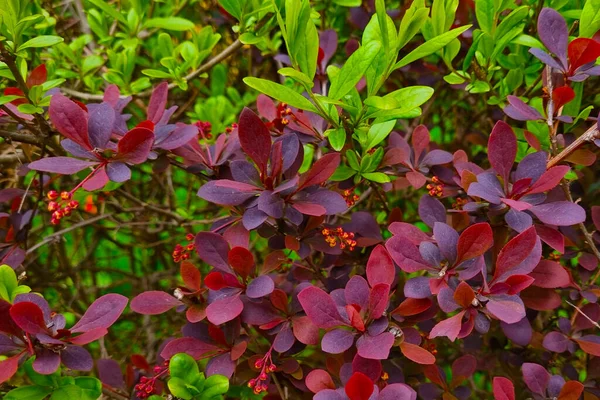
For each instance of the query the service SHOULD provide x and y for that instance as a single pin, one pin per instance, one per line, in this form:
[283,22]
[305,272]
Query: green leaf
[29,109]
[378,177]
[516,17]
[337,138]
[486,15]
[108,9]
[214,385]
[454,79]
[353,160]
[91,388]
[8,99]
[67,392]
[353,70]
[528,41]
[8,282]
[170,23]
[157,73]
[382,20]
[41,41]
[28,393]
[178,388]
[590,19]
[431,46]
[378,132]
[348,3]
[411,23]
[478,87]
[296,75]
[280,92]
[233,7]
[342,173]
[183,366]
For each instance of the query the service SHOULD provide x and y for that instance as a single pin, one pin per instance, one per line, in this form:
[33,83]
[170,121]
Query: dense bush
[288,199]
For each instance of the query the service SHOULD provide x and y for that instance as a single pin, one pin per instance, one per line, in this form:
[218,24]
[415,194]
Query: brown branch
[588,136]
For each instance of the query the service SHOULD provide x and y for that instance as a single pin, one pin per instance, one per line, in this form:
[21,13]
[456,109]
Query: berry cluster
[333,235]
[230,129]
[182,253]
[60,205]
[204,129]
[147,386]
[350,197]
[266,366]
[436,188]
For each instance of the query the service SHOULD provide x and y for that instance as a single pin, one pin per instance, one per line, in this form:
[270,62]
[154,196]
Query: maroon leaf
[224,309]
[135,146]
[536,378]
[158,102]
[503,389]
[189,345]
[38,76]
[515,251]
[153,302]
[380,267]
[29,317]
[474,241]
[213,250]
[321,170]
[89,336]
[550,274]
[319,307]
[502,149]
[378,300]
[61,165]
[359,387]
[417,353]
[255,138]
[70,120]
[102,313]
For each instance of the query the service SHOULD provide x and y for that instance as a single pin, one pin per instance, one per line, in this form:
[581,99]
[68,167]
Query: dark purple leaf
[100,124]
[437,157]
[284,339]
[158,102]
[559,213]
[271,204]
[70,120]
[221,365]
[519,332]
[255,138]
[118,172]
[213,250]
[253,218]
[61,165]
[417,288]
[405,254]
[333,202]
[189,345]
[431,210]
[357,291]
[102,313]
[556,342]
[259,287]
[226,192]
[517,109]
[337,341]
[181,135]
[224,309]
[153,302]
[320,308]
[109,372]
[46,362]
[536,378]
[77,358]
[375,347]
[447,240]
[502,149]
[553,31]
[245,172]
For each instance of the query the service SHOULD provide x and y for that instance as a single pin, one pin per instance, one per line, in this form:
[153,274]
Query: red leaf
[417,353]
[29,317]
[474,241]
[378,300]
[158,102]
[503,389]
[532,140]
[89,337]
[241,260]
[582,51]
[38,76]
[191,275]
[307,208]
[215,281]
[320,308]
[255,138]
[9,367]
[318,380]
[355,319]
[540,299]
[549,179]
[420,141]
[70,120]
[102,313]
[153,302]
[590,344]
[321,170]
[502,149]
[518,283]
[550,274]
[380,267]
[359,387]
[449,327]
[515,251]
[412,306]
[561,96]
[464,295]
[279,299]
[571,391]
[134,147]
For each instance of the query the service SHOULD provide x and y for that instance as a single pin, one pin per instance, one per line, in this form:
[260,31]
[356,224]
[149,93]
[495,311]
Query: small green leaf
[337,138]
[296,75]
[454,79]
[183,366]
[91,387]
[214,385]
[41,41]
[516,17]
[486,15]
[28,393]
[178,388]
[157,73]
[378,177]
[8,99]
[8,282]
[280,92]
[353,70]
[170,23]
[233,7]
[431,46]
[353,160]
[110,10]
[342,173]
[378,132]
[590,19]
[29,109]
[478,87]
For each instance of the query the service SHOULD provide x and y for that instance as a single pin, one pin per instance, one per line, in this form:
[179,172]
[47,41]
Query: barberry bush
[285,199]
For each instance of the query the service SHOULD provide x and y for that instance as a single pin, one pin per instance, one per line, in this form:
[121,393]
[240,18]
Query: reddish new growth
[266,366]
[60,205]
[204,129]
[182,253]
[346,239]
[436,188]
[350,197]
[147,386]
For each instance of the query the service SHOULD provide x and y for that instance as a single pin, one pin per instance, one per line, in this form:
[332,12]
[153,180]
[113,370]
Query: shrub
[337,200]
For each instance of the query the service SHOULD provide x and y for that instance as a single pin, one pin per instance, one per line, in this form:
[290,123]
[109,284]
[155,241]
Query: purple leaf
[226,192]
[447,240]
[554,33]
[375,347]
[519,332]
[253,218]
[76,358]
[109,372]
[559,213]
[556,342]
[271,204]
[100,123]
[260,286]
[417,288]
[357,291]
[397,391]
[158,102]
[70,120]
[153,302]
[536,378]
[509,309]
[517,109]
[245,172]
[60,165]
[221,365]
[531,166]
[118,172]
[181,135]
[437,157]
[255,138]
[102,313]
[333,202]
[405,254]
[46,362]
[431,210]
[134,147]
[320,308]
[337,341]
[224,309]
[189,345]
[213,250]
[546,59]
[502,149]
[284,340]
